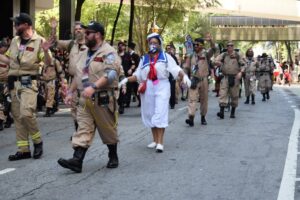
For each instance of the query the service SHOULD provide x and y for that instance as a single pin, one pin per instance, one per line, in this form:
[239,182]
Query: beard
[91,43]
[19,32]
[79,36]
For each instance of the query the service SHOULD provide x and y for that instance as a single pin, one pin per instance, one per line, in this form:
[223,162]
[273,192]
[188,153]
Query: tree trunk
[115,23]
[288,47]
[78,9]
[131,21]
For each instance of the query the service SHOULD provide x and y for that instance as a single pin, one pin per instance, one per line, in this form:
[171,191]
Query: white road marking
[293,106]
[287,186]
[64,110]
[7,170]
[183,108]
[297,179]
[290,101]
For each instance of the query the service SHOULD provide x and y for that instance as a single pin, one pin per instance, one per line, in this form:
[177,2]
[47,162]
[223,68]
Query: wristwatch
[93,85]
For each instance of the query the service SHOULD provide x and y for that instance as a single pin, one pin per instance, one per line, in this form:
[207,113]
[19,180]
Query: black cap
[95,26]
[132,45]
[200,40]
[264,55]
[22,18]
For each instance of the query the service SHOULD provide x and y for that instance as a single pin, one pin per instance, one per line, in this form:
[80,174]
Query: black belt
[18,78]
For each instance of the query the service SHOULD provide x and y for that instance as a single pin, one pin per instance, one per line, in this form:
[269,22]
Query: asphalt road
[230,159]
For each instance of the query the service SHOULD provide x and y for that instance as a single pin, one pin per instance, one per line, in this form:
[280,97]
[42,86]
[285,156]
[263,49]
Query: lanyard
[88,62]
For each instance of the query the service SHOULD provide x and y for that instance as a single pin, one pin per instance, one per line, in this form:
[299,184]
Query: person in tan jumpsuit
[5,119]
[50,74]
[96,78]
[232,69]
[251,65]
[265,69]
[199,73]
[74,47]
[27,50]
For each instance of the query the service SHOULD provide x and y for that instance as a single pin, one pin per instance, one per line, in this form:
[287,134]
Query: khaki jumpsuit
[24,65]
[264,75]
[94,112]
[232,65]
[49,76]
[201,91]
[251,65]
[75,51]
[3,82]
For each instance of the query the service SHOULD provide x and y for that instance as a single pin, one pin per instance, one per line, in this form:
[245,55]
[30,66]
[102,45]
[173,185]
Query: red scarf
[152,73]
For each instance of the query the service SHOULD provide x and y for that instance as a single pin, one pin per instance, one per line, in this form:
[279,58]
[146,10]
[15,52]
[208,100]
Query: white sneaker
[159,148]
[152,145]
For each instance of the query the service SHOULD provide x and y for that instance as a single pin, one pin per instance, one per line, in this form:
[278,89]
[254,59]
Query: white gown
[155,101]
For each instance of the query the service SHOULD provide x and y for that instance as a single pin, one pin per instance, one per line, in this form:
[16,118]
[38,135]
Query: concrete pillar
[5,14]
[66,18]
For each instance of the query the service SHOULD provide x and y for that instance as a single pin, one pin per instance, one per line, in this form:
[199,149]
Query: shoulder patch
[110,58]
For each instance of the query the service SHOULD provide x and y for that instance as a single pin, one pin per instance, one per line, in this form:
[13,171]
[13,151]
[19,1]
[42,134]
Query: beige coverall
[24,66]
[95,113]
[230,68]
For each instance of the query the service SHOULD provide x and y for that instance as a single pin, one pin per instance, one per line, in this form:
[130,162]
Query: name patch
[29,49]
[98,59]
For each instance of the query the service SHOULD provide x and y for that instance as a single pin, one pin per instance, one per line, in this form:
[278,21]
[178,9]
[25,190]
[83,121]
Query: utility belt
[25,80]
[195,80]
[103,97]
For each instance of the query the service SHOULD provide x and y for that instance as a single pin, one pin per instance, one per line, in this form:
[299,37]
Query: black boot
[113,161]
[75,163]
[252,99]
[221,113]
[190,121]
[1,125]
[121,110]
[203,120]
[232,114]
[48,114]
[139,99]
[268,95]
[8,122]
[19,156]
[264,97]
[247,100]
[240,93]
[38,150]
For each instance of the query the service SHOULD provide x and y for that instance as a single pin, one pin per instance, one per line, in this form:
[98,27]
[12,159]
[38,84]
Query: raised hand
[53,22]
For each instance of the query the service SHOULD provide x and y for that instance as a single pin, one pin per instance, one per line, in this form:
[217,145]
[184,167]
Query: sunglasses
[89,32]
[197,44]
[230,45]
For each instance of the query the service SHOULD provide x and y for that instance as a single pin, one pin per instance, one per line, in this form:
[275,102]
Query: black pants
[173,91]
